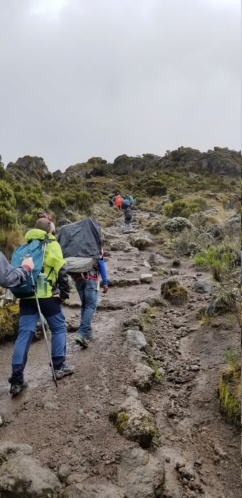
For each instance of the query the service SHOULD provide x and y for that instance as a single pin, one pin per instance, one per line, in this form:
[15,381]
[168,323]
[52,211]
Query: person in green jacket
[56,291]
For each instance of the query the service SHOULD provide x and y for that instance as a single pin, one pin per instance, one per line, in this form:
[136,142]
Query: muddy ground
[69,427]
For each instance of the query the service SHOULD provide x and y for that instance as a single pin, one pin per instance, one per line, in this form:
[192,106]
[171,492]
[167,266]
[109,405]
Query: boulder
[143,377]
[93,489]
[146,278]
[21,475]
[29,168]
[215,231]
[140,474]
[202,286]
[133,421]
[135,339]
[141,240]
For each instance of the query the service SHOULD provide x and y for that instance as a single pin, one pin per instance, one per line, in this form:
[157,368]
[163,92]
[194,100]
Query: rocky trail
[140,417]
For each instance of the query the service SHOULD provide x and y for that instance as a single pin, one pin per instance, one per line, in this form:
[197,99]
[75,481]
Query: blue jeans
[87,290]
[52,310]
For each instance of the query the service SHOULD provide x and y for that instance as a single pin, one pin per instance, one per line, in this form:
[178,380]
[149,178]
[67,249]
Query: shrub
[185,208]
[219,260]
[156,188]
[174,292]
[230,387]
[84,201]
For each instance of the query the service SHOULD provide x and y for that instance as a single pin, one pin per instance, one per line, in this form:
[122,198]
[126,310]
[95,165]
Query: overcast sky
[83,78]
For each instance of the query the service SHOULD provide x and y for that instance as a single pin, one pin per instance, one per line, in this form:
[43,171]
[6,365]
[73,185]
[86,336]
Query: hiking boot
[82,341]
[63,371]
[15,389]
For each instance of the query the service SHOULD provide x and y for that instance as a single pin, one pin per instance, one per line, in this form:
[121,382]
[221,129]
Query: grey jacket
[9,276]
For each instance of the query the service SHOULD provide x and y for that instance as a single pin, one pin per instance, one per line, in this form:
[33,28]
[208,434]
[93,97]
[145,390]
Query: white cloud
[47,8]
[118,76]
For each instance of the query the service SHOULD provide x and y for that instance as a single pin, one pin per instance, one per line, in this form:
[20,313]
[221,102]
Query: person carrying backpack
[45,215]
[82,245]
[130,199]
[87,288]
[118,201]
[56,290]
[10,276]
[128,218]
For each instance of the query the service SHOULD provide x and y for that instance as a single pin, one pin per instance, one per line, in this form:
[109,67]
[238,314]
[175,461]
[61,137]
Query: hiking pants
[52,310]
[87,290]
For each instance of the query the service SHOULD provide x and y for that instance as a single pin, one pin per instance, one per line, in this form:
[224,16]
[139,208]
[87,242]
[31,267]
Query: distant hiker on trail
[130,199]
[118,201]
[48,217]
[82,247]
[125,203]
[128,218]
[10,276]
[110,202]
[56,290]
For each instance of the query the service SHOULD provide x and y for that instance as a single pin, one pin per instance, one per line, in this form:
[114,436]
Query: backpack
[128,214]
[35,249]
[126,204]
[131,199]
[81,245]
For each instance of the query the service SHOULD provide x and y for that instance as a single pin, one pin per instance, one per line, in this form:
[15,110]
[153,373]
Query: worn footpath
[76,445]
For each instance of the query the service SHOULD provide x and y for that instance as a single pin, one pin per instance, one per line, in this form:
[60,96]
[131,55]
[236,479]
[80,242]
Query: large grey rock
[32,168]
[119,245]
[146,278]
[22,476]
[156,260]
[107,304]
[141,475]
[122,282]
[215,231]
[134,422]
[202,287]
[143,377]
[141,240]
[93,489]
[135,339]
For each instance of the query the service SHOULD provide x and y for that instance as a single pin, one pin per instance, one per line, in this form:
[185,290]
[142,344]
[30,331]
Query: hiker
[87,288]
[125,203]
[82,247]
[130,199]
[10,276]
[128,218]
[45,215]
[110,202]
[57,290]
[118,201]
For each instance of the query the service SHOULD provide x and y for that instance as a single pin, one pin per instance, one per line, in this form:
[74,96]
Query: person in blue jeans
[57,290]
[87,288]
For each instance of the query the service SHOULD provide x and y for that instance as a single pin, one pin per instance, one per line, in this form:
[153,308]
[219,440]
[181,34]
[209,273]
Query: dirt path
[69,427]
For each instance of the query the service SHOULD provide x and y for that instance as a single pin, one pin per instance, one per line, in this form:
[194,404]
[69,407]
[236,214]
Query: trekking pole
[44,331]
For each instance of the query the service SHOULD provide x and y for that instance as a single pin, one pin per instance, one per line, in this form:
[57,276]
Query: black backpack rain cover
[81,239]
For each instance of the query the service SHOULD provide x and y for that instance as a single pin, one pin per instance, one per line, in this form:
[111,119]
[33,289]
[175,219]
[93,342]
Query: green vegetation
[219,260]
[174,292]
[230,387]
[9,317]
[184,208]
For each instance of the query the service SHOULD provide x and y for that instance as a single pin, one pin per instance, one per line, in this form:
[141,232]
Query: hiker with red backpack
[118,201]
[82,248]
[48,297]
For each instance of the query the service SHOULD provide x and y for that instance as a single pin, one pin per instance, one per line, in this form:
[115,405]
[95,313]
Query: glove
[105,289]
[28,263]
